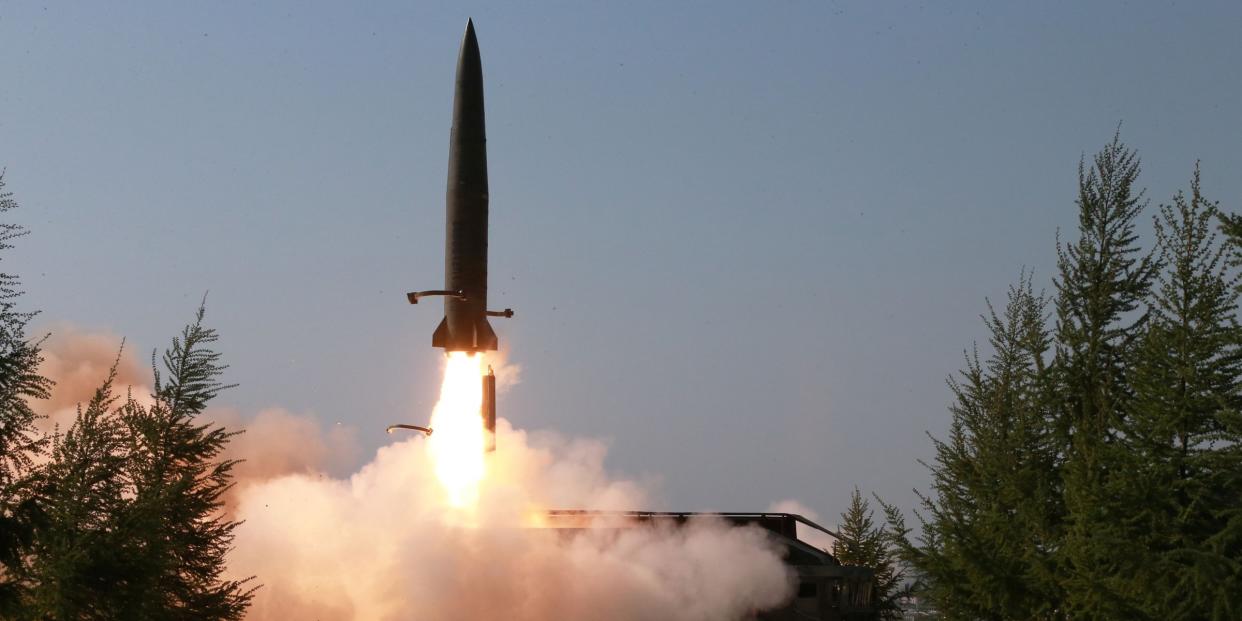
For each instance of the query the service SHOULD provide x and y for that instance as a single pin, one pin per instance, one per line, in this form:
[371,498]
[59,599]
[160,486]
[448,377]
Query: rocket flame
[456,448]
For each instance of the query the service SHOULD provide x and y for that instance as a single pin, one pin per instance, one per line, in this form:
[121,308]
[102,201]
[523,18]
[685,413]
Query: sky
[746,243]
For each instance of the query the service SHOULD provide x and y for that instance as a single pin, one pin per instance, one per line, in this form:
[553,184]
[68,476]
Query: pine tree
[994,516]
[20,441]
[1218,561]
[1102,285]
[124,519]
[1107,484]
[1180,447]
[177,479]
[1185,378]
[135,528]
[1103,280]
[84,555]
[864,544]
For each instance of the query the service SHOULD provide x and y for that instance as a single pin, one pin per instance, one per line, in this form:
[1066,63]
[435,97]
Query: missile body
[465,326]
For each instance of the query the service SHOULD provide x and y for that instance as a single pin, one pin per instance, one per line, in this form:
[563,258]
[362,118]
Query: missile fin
[441,336]
[484,336]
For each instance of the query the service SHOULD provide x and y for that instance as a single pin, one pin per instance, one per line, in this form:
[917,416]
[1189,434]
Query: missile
[465,326]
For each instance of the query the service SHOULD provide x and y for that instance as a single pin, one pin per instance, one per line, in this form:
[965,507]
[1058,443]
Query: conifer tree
[1102,282]
[84,554]
[1104,278]
[178,478]
[20,441]
[135,529]
[1178,430]
[120,516]
[862,543]
[989,526]
[1180,440]
[1107,484]
[1219,559]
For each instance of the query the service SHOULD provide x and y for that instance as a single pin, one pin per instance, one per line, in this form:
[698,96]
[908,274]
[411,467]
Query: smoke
[78,361]
[384,544]
[508,374]
[275,441]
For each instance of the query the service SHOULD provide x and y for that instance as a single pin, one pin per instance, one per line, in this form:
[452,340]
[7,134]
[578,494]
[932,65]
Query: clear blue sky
[746,241]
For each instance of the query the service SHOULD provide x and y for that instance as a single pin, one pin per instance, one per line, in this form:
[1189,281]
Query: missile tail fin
[481,338]
[484,336]
[441,336]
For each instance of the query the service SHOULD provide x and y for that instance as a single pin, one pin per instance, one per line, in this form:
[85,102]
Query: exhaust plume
[386,544]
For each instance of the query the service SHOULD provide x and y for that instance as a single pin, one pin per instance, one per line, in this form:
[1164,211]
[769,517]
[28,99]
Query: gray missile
[465,326]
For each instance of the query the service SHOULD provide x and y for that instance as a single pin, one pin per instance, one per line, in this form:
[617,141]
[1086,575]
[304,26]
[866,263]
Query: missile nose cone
[469,40]
[469,66]
[468,99]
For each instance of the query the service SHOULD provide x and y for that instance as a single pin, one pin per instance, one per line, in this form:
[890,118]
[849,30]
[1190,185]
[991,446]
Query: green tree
[83,556]
[861,543]
[136,529]
[1218,560]
[124,520]
[21,508]
[1103,282]
[1180,450]
[990,525]
[1185,378]
[1108,483]
[178,478]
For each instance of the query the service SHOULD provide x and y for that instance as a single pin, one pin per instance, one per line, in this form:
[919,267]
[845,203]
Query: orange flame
[456,448]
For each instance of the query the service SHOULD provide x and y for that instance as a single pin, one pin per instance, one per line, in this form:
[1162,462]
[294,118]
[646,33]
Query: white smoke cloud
[276,442]
[385,545]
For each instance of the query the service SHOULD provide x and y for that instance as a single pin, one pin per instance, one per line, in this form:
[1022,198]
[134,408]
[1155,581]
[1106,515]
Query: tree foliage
[82,559]
[1094,470]
[120,516]
[990,523]
[136,528]
[863,543]
[177,479]
[21,444]
[1102,288]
